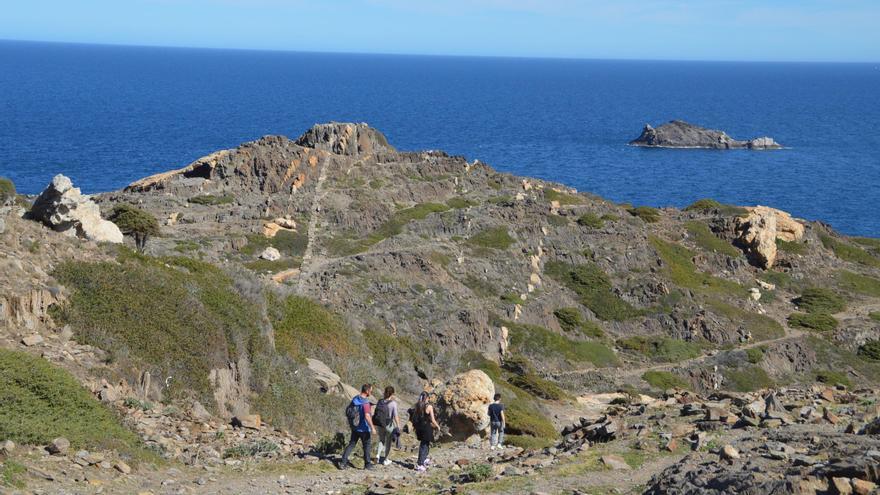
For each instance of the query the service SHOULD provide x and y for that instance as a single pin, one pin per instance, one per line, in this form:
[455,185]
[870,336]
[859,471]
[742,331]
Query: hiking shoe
[342,466]
[386,462]
[428,462]
[370,467]
[421,469]
[492,448]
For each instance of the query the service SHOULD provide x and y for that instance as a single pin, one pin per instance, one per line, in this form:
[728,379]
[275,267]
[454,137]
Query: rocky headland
[680,134]
[712,349]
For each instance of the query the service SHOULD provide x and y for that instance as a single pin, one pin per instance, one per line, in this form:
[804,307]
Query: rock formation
[344,139]
[462,405]
[680,134]
[65,209]
[758,231]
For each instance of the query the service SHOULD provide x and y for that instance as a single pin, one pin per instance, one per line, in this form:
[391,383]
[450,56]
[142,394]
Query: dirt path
[306,265]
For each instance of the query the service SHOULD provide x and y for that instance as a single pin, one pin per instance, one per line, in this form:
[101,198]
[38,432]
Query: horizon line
[438,55]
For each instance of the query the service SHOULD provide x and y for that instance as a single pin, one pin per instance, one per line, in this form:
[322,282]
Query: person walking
[360,420]
[424,422]
[386,420]
[497,421]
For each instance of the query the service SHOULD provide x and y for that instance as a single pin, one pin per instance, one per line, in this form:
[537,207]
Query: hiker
[496,423]
[360,420]
[386,420]
[424,422]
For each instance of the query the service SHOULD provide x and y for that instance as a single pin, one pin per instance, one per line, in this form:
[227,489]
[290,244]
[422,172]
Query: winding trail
[305,266]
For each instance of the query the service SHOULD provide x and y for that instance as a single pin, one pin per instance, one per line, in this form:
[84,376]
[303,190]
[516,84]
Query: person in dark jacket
[424,423]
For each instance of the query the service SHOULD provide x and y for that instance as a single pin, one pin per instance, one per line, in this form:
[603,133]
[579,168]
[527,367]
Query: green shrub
[40,402]
[661,349]
[562,198]
[870,350]
[494,184]
[11,474]
[557,220]
[512,298]
[537,386]
[331,444]
[747,379]
[755,355]
[703,205]
[820,300]
[287,242]
[646,213]
[594,289]
[858,283]
[704,238]
[492,238]
[304,328]
[570,320]
[460,202]
[502,200]
[664,380]
[848,252]
[542,343]
[874,315]
[680,268]
[175,317]
[832,377]
[480,287]
[590,220]
[792,247]
[7,191]
[212,200]
[819,322]
[781,280]
[477,473]
[253,449]
[761,327]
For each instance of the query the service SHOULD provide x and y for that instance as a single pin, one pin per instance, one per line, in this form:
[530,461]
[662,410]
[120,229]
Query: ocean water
[106,116]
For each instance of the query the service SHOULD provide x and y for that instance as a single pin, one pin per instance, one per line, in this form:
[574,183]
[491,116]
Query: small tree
[135,222]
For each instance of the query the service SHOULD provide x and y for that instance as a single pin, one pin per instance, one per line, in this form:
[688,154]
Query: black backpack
[353,415]
[382,416]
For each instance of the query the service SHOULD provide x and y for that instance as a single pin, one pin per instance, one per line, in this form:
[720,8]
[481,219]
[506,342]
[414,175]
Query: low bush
[590,220]
[861,284]
[792,247]
[492,238]
[477,473]
[512,298]
[542,343]
[212,200]
[12,474]
[537,386]
[755,355]
[747,379]
[288,243]
[664,380]
[40,402]
[331,444]
[848,252]
[646,213]
[680,268]
[761,327]
[875,315]
[254,449]
[594,289]
[176,317]
[703,205]
[570,320]
[820,300]
[661,349]
[704,238]
[7,191]
[870,350]
[562,198]
[460,202]
[480,287]
[304,328]
[819,322]
[832,377]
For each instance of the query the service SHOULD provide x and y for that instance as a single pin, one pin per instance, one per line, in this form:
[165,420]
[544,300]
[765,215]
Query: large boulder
[680,134]
[344,139]
[462,405]
[758,231]
[65,209]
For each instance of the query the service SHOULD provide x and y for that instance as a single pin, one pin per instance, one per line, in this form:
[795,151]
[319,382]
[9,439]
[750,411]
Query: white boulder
[65,209]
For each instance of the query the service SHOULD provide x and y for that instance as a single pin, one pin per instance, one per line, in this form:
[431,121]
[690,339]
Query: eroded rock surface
[462,405]
[65,209]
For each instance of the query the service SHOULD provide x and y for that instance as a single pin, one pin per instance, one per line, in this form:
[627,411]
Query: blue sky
[798,30]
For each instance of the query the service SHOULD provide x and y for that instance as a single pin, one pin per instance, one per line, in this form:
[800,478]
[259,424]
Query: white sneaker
[386,462]
[492,448]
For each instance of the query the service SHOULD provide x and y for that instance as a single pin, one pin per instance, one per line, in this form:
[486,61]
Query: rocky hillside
[285,271]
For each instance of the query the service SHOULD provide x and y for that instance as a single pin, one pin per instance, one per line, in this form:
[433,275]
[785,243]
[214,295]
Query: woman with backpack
[386,420]
[424,424]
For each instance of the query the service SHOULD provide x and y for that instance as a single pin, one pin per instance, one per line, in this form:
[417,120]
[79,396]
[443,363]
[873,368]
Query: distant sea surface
[106,116]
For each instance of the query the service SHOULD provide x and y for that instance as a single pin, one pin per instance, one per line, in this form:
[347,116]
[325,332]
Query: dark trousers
[364,437]
[424,447]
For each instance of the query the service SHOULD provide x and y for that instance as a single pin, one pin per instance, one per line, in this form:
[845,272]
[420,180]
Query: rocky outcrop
[462,406]
[344,139]
[758,231]
[680,134]
[65,209]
